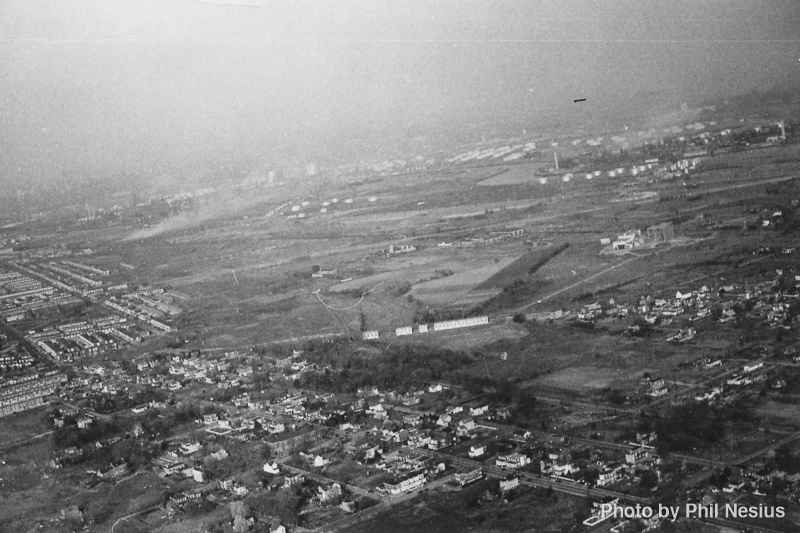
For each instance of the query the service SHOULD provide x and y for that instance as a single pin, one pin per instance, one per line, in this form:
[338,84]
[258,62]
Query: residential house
[478,411]
[465,426]
[476,451]
[407,483]
[512,460]
[113,471]
[470,476]
[188,448]
[611,474]
[293,480]
[328,495]
[219,455]
[634,456]
[509,483]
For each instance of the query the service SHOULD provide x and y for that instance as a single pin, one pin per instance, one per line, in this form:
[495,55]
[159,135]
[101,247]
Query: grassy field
[519,269]
[25,425]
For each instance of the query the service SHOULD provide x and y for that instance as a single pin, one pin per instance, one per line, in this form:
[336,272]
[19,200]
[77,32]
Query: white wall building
[460,323]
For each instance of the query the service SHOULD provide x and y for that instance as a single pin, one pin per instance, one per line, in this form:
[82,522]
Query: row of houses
[28,392]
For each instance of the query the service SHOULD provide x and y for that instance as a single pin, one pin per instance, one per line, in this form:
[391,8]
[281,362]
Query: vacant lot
[21,426]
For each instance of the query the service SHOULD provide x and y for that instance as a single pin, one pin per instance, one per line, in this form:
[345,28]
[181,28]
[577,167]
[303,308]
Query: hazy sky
[103,85]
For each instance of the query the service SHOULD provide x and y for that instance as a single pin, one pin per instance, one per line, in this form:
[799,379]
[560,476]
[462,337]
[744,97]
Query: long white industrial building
[460,323]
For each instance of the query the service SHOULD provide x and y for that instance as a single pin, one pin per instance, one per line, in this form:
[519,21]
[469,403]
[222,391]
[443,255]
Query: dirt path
[553,294]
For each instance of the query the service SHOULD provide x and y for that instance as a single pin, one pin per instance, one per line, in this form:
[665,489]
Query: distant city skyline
[108,87]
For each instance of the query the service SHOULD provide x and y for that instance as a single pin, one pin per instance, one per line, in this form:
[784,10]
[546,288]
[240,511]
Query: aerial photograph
[389,266]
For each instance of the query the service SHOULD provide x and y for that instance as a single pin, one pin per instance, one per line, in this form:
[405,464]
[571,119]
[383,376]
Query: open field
[21,426]
[516,270]
[271,295]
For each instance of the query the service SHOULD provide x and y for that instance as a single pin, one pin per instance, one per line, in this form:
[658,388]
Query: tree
[693,425]
[616,397]
[526,402]
[238,512]
[519,318]
[649,479]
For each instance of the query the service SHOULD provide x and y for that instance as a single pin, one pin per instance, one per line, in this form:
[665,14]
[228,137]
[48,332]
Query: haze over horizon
[111,86]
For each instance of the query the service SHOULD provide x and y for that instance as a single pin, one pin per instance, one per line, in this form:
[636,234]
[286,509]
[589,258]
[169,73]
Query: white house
[407,483]
[512,460]
[444,420]
[476,451]
[508,484]
[188,448]
[477,411]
